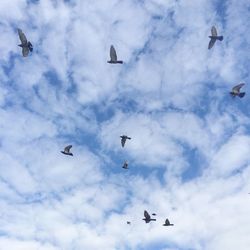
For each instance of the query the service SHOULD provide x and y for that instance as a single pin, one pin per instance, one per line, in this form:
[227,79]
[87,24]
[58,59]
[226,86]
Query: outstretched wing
[146,215]
[167,222]
[22,36]
[67,149]
[238,87]
[211,43]
[113,55]
[214,31]
[25,51]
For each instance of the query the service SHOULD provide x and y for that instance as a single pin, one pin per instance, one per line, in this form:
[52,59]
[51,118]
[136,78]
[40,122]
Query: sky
[189,156]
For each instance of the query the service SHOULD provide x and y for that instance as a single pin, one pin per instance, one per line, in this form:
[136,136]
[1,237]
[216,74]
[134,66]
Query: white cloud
[170,96]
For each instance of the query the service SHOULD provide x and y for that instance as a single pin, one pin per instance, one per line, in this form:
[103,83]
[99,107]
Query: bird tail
[153,219]
[220,38]
[242,94]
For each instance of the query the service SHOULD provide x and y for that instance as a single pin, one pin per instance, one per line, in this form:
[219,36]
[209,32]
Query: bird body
[147,217]
[67,150]
[113,56]
[214,37]
[236,91]
[167,223]
[125,165]
[25,44]
[123,139]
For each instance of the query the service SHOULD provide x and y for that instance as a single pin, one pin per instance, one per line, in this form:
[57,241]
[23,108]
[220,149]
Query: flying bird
[123,139]
[128,222]
[25,44]
[125,165]
[147,217]
[236,91]
[214,37]
[154,214]
[167,223]
[67,150]
[113,56]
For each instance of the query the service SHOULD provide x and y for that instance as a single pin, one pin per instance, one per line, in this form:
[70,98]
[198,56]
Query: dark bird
[147,217]
[125,165]
[67,150]
[167,223]
[25,45]
[154,214]
[113,56]
[214,37]
[236,91]
[128,222]
[123,139]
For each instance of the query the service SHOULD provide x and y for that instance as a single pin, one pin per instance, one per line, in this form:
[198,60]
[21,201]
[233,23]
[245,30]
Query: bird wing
[25,51]
[113,55]
[167,222]
[146,215]
[211,43]
[238,87]
[214,31]
[67,149]
[22,36]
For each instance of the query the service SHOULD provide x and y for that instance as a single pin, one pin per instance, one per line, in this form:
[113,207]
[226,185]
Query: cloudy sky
[189,157]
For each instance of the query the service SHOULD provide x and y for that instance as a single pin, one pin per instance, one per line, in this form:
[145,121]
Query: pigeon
[113,56]
[236,91]
[214,37]
[147,217]
[123,139]
[25,45]
[125,165]
[167,223]
[67,150]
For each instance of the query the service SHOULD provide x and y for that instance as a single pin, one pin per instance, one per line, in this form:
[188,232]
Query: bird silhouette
[25,44]
[123,139]
[167,223]
[67,150]
[214,37]
[125,165]
[147,217]
[128,222]
[113,56]
[236,91]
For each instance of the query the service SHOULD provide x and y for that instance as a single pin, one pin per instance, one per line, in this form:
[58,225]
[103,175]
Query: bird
[125,165]
[147,217]
[25,44]
[67,150]
[128,222]
[167,223]
[214,37]
[123,139]
[236,91]
[113,56]
[154,214]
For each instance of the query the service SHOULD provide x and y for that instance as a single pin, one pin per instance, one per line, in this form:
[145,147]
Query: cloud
[188,156]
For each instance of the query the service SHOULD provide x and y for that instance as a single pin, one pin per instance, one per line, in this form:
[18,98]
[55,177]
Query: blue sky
[190,149]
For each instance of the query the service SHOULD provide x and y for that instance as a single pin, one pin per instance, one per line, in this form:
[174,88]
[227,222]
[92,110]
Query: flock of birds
[27,47]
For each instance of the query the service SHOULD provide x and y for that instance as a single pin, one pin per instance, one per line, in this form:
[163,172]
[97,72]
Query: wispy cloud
[189,152]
